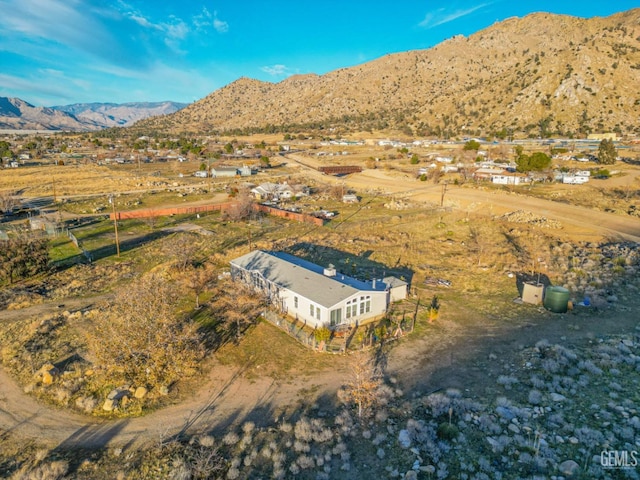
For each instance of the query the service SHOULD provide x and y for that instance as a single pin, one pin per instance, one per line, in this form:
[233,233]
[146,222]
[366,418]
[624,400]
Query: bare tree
[183,248]
[8,201]
[237,305]
[362,389]
[142,338]
[242,208]
[199,278]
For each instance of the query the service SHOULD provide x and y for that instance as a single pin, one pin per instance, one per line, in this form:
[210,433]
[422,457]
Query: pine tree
[607,153]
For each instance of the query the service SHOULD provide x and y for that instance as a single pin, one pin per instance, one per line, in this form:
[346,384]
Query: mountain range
[537,75]
[20,115]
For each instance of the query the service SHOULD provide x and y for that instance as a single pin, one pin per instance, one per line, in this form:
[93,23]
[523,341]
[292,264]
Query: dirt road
[577,221]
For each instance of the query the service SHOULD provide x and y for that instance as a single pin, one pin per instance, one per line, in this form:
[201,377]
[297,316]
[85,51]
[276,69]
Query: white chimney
[330,271]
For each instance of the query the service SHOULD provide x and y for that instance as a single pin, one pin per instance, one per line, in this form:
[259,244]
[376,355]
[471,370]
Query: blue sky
[57,52]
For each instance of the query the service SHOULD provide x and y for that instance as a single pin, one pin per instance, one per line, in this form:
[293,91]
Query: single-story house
[278,191]
[575,179]
[218,172]
[508,178]
[245,171]
[350,198]
[487,173]
[318,296]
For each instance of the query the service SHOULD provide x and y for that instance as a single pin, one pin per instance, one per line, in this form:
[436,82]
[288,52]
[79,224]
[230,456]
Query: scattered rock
[404,439]
[109,405]
[48,373]
[140,393]
[505,413]
[118,393]
[556,397]
[569,468]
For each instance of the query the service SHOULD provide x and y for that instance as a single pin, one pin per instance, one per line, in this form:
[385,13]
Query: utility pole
[55,199]
[112,201]
[444,190]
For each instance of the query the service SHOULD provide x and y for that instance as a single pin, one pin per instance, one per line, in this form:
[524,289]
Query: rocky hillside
[119,115]
[537,75]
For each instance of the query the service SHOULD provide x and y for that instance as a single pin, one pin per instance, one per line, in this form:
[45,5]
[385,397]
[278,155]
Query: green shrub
[447,431]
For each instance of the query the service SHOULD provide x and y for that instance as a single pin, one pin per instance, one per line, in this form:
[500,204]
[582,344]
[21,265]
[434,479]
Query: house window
[367,307]
[354,310]
[361,308]
[311,310]
[318,313]
[348,311]
[336,316]
[295,302]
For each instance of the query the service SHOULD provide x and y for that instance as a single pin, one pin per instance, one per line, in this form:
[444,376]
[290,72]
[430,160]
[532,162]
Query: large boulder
[48,373]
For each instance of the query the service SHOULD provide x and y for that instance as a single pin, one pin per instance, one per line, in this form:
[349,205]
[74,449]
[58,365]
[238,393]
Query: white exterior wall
[575,180]
[507,179]
[398,293]
[377,299]
[303,311]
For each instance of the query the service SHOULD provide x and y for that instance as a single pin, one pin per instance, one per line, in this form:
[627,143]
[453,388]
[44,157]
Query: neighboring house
[218,172]
[487,173]
[201,174]
[350,198]
[245,171]
[602,136]
[320,297]
[442,159]
[278,191]
[508,178]
[575,179]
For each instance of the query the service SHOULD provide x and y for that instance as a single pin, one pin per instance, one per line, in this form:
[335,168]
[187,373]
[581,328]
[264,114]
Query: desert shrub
[322,334]
[447,431]
[535,397]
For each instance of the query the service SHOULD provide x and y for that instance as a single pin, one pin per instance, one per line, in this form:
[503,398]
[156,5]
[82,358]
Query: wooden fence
[218,207]
[161,212]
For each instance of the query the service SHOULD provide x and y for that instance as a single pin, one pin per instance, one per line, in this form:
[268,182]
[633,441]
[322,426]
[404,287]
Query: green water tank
[556,299]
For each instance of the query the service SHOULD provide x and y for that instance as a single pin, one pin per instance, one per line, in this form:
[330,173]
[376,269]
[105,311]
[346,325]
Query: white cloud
[205,20]
[276,70]
[220,26]
[443,15]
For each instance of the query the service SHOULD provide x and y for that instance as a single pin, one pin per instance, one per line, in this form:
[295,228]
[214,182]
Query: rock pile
[521,216]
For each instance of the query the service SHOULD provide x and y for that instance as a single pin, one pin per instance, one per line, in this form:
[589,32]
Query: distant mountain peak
[18,114]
